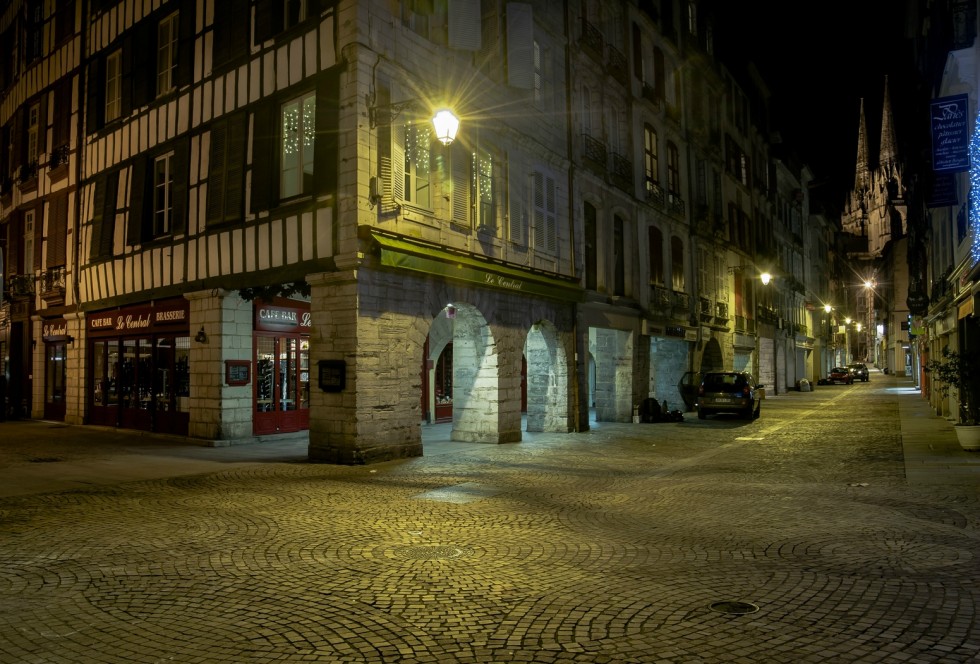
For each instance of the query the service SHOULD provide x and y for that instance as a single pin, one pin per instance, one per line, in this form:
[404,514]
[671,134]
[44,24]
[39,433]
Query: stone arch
[712,358]
[547,379]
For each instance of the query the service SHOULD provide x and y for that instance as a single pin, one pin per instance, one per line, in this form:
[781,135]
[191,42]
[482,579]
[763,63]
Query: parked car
[688,387]
[859,371]
[729,392]
[840,375]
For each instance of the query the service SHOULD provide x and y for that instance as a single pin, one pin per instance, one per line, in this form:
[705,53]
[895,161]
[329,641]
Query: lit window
[483,188]
[298,120]
[673,169]
[418,136]
[166,53]
[651,165]
[163,183]
[113,87]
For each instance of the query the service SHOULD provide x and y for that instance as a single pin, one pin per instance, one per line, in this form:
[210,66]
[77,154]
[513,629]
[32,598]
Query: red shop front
[139,376]
[282,366]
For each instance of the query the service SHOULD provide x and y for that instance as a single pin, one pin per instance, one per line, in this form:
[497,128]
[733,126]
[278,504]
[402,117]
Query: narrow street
[796,537]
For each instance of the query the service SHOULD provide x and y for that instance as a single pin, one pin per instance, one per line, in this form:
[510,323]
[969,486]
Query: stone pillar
[76,392]
[219,412]
[376,416]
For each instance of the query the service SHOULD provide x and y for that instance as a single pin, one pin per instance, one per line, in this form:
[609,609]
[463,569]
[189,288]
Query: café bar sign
[281,318]
[949,120]
[157,317]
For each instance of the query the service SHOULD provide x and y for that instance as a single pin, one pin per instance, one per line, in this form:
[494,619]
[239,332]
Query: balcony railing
[721,310]
[675,204]
[660,298]
[594,151]
[655,194]
[616,64]
[27,173]
[58,157]
[20,285]
[592,38]
[52,285]
[680,301]
[622,172]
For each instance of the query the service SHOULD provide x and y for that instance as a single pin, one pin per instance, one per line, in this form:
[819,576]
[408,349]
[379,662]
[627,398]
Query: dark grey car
[859,371]
[729,392]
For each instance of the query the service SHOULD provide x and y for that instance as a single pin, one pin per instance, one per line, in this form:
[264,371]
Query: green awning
[417,257]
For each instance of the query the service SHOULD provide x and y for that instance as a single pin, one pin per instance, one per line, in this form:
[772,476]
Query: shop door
[282,384]
[171,385]
[105,383]
[136,384]
[54,381]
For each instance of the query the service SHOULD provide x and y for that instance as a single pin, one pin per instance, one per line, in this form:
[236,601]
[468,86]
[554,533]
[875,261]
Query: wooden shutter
[35,263]
[61,134]
[488,55]
[138,200]
[462,166]
[42,126]
[398,163]
[520,46]
[231,37]
[217,165]
[139,66]
[181,171]
[537,211]
[327,126]
[268,19]
[517,228]
[108,213]
[265,184]
[57,230]
[95,110]
[15,240]
[185,42]
[464,25]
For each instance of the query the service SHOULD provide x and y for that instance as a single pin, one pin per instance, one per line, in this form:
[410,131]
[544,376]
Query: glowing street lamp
[446,125]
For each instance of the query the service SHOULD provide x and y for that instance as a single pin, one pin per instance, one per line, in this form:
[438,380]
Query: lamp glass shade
[766,278]
[446,125]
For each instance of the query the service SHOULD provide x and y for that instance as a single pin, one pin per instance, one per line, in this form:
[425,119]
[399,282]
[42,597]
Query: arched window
[677,263]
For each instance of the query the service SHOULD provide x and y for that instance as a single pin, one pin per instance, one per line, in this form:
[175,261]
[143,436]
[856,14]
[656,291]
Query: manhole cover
[431,552]
[733,608]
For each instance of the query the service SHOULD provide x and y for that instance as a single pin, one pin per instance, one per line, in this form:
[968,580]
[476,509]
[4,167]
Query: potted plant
[960,371]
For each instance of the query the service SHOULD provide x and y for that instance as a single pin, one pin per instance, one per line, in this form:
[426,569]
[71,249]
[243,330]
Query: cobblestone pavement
[792,538]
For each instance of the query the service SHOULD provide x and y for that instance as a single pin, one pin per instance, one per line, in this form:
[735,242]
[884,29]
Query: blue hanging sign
[949,118]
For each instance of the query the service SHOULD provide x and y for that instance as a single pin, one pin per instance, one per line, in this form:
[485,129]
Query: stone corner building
[229,220]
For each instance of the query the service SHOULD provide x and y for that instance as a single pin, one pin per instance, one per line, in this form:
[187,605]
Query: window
[33,127]
[163,180]
[166,53]
[35,30]
[673,170]
[538,93]
[226,169]
[692,18]
[28,259]
[545,214]
[484,193]
[677,263]
[418,137]
[655,239]
[591,244]
[619,256]
[294,12]
[113,86]
[297,120]
[651,166]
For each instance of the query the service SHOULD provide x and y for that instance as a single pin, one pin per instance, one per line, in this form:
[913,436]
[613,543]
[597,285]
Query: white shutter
[398,162]
[551,215]
[537,211]
[464,25]
[517,226]
[520,46]
[461,169]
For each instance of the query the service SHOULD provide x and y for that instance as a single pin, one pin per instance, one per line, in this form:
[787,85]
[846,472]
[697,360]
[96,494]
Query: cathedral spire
[888,153]
[861,175]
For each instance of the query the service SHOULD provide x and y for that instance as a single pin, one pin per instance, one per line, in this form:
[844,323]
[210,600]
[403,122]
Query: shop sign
[271,318]
[54,330]
[949,117]
[152,318]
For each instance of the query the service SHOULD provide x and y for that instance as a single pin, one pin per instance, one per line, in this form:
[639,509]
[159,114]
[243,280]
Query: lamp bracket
[388,113]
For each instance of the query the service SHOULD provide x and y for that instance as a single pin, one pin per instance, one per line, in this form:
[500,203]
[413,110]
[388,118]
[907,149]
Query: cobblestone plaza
[831,529]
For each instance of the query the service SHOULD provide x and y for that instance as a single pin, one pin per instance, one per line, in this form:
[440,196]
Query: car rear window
[722,382]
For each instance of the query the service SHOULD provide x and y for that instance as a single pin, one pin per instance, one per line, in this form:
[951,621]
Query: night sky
[819,60]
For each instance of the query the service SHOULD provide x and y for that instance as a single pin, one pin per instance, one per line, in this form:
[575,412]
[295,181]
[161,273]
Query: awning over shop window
[417,257]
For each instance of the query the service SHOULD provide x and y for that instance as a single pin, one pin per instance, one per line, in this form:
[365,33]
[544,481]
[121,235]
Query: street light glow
[766,278]
[446,125]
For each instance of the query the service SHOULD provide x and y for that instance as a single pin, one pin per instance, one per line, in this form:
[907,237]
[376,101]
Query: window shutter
[268,19]
[139,65]
[520,46]
[178,219]
[185,44]
[464,25]
[487,58]
[551,215]
[137,212]
[217,165]
[517,228]
[107,210]
[62,114]
[637,53]
[327,124]
[265,186]
[42,126]
[38,238]
[230,37]
[235,168]
[98,210]
[538,219]
[398,163]
[15,241]
[462,183]
[57,230]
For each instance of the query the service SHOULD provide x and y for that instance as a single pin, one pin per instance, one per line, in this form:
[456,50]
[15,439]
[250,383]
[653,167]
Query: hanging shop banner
[54,330]
[283,316]
[949,118]
[155,317]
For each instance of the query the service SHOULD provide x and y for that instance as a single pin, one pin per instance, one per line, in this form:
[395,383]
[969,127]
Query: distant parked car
[859,371]
[840,375]
[729,392]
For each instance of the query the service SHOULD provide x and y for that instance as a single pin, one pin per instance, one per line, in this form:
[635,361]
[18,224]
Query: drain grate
[435,552]
[733,608]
